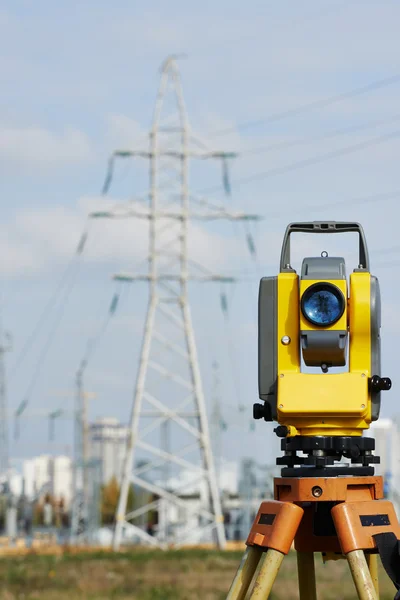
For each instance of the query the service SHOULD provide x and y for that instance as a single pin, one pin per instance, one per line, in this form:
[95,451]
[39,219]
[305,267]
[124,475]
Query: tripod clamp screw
[380,384]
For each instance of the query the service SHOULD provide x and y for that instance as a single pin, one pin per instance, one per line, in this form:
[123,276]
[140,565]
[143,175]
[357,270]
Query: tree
[38,513]
[109,501]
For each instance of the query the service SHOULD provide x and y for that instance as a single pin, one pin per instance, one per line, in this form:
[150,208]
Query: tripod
[338,516]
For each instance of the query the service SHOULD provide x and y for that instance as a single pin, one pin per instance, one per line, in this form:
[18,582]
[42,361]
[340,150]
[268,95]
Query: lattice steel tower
[168,451]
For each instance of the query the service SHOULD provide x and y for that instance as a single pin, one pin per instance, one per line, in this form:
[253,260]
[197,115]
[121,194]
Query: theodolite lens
[322,304]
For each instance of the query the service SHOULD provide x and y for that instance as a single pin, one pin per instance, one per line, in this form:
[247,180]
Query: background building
[387,446]
[383,432]
[53,473]
[61,470]
[107,441]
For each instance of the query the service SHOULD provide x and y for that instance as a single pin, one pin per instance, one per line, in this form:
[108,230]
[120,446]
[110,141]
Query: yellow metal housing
[360,323]
[324,404]
[288,310]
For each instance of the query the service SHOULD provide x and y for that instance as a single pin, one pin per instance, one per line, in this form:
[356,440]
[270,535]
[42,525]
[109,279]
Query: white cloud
[221,132]
[125,133]
[34,146]
[39,238]
[16,255]
[53,231]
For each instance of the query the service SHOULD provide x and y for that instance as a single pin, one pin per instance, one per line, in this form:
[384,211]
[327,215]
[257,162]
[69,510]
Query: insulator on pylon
[114,304]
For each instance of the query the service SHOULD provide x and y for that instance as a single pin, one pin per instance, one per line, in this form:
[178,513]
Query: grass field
[156,575]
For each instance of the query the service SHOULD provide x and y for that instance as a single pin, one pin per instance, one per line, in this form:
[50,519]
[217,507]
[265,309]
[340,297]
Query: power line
[244,275]
[65,287]
[65,280]
[329,134]
[311,161]
[379,196]
[310,106]
[43,317]
[94,341]
[50,337]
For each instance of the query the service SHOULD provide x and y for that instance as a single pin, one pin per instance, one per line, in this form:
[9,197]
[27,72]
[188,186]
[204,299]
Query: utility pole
[83,401]
[11,511]
[81,486]
[169,387]
[5,346]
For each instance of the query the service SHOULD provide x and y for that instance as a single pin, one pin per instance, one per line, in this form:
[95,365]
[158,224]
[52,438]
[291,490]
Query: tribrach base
[338,516]
[321,453]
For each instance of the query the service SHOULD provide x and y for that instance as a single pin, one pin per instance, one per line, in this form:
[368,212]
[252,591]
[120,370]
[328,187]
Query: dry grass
[153,575]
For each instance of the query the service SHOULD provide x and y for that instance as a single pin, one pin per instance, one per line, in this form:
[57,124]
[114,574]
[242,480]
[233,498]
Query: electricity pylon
[168,424]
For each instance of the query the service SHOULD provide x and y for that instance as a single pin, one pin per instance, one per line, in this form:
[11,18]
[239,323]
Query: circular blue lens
[322,304]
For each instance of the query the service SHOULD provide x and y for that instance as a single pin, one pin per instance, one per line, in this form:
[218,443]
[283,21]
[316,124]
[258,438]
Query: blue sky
[79,79]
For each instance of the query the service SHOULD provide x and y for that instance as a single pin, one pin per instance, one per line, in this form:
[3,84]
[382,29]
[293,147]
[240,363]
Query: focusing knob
[380,384]
[262,411]
[258,411]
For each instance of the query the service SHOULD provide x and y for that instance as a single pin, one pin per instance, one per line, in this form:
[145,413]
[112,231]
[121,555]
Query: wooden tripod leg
[244,574]
[361,575]
[306,573]
[372,562]
[271,562]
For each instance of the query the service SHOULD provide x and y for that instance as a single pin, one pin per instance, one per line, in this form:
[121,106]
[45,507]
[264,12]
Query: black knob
[375,383]
[380,384]
[281,431]
[258,411]
[262,411]
[355,451]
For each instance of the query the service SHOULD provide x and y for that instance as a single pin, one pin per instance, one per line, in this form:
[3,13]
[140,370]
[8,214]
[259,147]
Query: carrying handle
[324,227]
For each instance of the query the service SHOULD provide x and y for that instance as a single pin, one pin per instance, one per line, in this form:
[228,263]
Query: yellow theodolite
[321,321]
[317,316]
